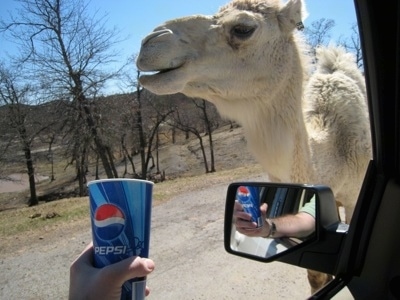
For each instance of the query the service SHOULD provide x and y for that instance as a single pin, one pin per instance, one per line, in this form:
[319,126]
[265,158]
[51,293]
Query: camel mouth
[156,72]
[166,70]
[150,67]
[152,79]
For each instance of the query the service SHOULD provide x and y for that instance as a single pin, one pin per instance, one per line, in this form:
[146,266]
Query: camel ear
[291,16]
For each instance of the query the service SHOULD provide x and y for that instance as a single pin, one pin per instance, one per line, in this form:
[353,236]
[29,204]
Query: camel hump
[334,59]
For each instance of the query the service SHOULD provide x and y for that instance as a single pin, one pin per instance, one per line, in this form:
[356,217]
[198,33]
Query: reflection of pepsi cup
[120,211]
[249,198]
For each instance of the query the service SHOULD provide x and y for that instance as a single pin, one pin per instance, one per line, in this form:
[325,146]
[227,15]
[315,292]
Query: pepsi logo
[109,221]
[243,191]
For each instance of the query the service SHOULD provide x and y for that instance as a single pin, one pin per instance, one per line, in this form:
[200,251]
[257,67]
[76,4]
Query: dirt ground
[186,246]
[17,182]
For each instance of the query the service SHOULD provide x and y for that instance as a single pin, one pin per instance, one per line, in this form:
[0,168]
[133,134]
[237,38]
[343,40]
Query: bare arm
[299,225]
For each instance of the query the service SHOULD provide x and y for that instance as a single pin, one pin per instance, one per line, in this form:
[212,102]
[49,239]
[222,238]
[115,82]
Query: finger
[238,206]
[147,291]
[246,225]
[243,216]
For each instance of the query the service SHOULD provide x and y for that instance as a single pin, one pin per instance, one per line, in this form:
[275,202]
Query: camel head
[245,48]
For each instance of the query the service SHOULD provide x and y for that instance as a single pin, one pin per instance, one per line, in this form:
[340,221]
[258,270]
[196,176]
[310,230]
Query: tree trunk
[97,167]
[142,139]
[33,200]
[111,161]
[101,148]
[173,135]
[209,132]
[125,160]
[157,153]
[204,154]
[79,175]
[211,152]
[128,155]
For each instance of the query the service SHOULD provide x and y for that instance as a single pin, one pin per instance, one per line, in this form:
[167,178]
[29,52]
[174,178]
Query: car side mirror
[285,200]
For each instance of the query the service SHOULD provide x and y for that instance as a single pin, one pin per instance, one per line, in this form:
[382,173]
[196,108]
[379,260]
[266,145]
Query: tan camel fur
[250,61]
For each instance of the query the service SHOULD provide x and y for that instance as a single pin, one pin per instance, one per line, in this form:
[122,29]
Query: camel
[304,123]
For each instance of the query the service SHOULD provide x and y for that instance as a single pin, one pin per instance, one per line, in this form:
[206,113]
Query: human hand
[88,282]
[244,224]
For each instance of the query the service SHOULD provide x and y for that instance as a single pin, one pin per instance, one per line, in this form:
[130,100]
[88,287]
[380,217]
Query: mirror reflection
[268,220]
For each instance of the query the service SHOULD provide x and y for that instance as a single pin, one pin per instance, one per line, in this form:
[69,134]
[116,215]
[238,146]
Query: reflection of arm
[298,225]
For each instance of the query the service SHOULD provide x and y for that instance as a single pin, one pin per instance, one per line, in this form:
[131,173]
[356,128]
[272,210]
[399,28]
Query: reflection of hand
[88,282]
[244,224]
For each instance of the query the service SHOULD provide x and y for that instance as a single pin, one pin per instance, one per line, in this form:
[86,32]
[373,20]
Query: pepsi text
[105,250]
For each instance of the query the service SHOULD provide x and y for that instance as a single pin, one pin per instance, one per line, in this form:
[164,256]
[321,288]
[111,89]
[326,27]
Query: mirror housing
[318,252]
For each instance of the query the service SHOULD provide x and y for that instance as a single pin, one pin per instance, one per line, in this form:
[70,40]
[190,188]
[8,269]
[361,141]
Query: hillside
[176,160]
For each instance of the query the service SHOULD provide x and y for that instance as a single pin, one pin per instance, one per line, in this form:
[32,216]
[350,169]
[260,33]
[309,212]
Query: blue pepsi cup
[249,198]
[120,211]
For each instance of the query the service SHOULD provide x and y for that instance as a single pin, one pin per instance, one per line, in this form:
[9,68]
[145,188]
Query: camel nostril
[156,34]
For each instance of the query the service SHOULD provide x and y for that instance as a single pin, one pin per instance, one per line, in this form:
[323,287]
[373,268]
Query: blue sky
[135,19]
[154,12]
[139,19]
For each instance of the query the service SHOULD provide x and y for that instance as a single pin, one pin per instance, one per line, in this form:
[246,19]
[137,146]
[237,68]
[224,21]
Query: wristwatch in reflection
[272,228]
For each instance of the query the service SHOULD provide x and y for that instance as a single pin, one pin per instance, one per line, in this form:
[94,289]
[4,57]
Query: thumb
[129,268]
[263,209]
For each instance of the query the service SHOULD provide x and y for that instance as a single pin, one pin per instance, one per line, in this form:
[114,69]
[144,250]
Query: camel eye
[242,31]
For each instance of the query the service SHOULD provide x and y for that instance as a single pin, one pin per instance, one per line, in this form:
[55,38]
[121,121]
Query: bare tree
[146,114]
[208,113]
[353,44]
[148,118]
[128,155]
[319,33]
[189,120]
[67,50]
[50,140]
[19,120]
